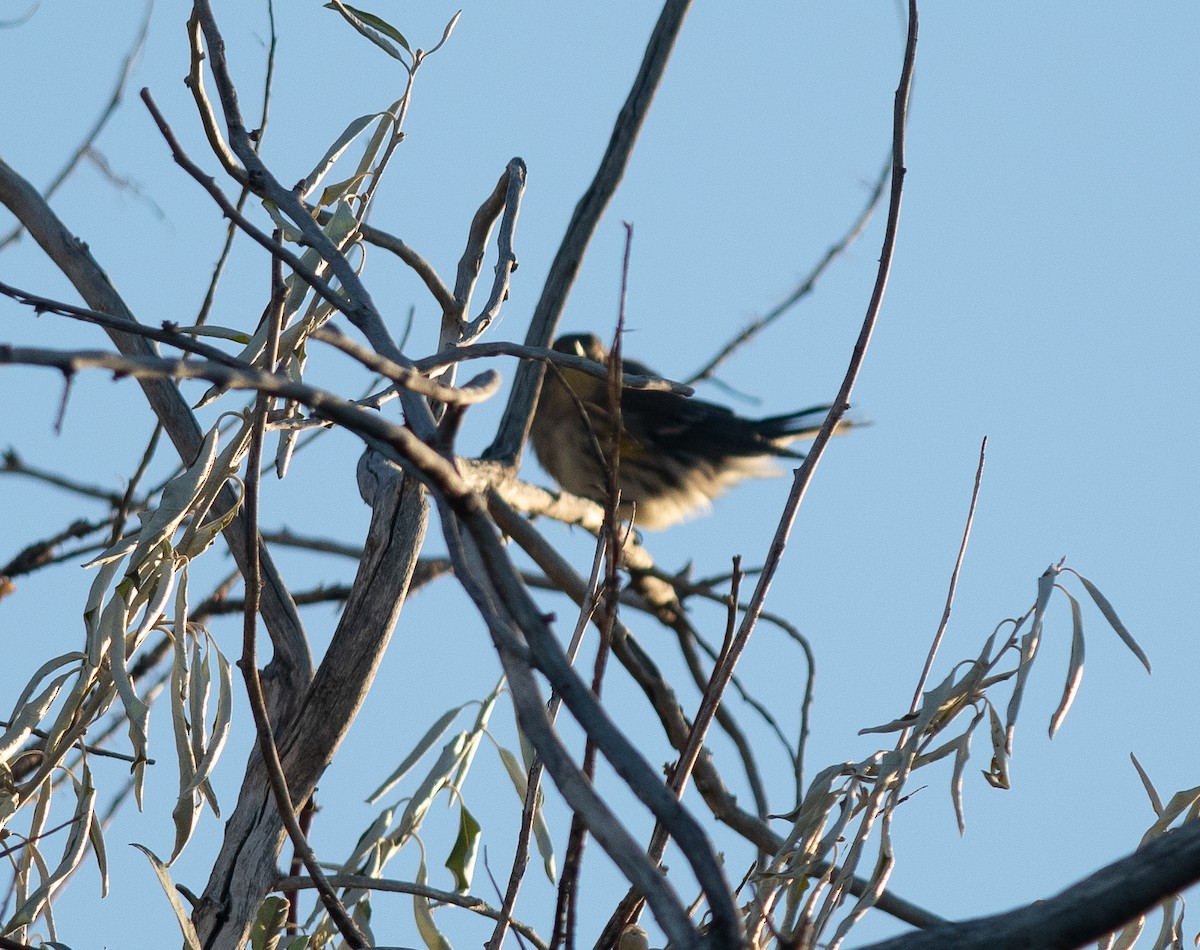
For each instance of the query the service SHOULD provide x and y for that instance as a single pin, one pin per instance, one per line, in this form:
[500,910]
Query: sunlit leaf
[423,912]
[1074,667]
[334,152]
[1114,621]
[372,27]
[191,939]
[434,782]
[176,501]
[424,744]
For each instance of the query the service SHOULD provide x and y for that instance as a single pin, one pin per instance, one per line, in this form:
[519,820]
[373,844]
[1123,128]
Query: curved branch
[806,286]
[1084,912]
[110,109]
[362,882]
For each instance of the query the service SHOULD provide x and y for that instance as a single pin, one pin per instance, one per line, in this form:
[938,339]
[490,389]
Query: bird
[675,453]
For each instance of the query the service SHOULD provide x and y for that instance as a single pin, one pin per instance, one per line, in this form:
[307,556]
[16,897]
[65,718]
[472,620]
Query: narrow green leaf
[73,850]
[176,501]
[267,929]
[424,744]
[220,333]
[461,861]
[29,712]
[541,832]
[1151,791]
[335,151]
[221,724]
[373,34]
[377,22]
[434,782]
[137,714]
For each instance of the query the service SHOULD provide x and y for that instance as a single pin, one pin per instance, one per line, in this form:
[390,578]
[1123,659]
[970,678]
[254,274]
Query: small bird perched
[675,453]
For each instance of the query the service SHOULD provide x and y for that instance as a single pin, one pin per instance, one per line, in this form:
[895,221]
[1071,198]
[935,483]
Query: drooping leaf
[461,860]
[423,913]
[191,939]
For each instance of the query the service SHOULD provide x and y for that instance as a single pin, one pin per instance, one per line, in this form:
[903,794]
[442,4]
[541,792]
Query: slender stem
[962,551]
[249,662]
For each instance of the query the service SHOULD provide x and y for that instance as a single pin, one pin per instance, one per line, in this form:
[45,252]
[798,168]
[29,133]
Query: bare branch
[13,464]
[285,806]
[806,286]
[272,246]
[477,351]
[361,421]
[423,269]
[1084,912]
[482,387]
[466,901]
[506,197]
[508,612]
[128,64]
[169,334]
[198,93]
[358,305]
[962,551]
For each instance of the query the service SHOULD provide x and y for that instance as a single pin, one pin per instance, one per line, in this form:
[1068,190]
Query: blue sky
[1042,296]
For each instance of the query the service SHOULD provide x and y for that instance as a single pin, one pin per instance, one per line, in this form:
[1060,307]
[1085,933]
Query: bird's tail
[805,424]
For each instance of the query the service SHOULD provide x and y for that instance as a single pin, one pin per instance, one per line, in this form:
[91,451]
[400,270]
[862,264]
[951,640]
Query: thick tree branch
[480,565]
[245,870]
[1084,912]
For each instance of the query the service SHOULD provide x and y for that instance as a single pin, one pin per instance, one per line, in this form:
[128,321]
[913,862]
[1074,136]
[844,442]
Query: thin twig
[268,82]
[127,502]
[808,468]
[477,351]
[114,100]
[249,662]
[12,464]
[466,901]
[168,333]
[480,388]
[272,246]
[368,425]
[90,749]
[806,286]
[958,562]
[423,269]
[611,535]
